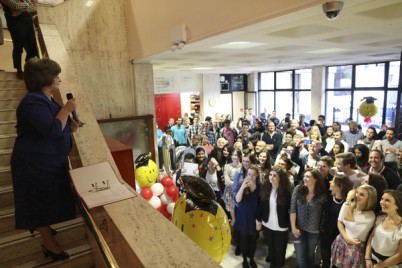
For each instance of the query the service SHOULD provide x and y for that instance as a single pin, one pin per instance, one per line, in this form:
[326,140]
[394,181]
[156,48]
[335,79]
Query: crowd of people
[336,194]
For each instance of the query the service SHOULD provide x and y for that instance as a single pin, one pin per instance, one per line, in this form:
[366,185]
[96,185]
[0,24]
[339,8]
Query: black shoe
[55,256]
[245,264]
[20,74]
[253,264]
[237,251]
[268,259]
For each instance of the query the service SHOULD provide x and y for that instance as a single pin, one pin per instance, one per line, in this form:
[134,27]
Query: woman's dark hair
[341,146]
[282,188]
[380,184]
[189,156]
[267,164]
[239,155]
[39,73]
[223,158]
[397,195]
[288,163]
[319,188]
[362,161]
[344,183]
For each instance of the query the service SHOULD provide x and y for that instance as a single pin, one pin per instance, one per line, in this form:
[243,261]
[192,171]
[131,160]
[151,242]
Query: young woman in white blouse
[384,247]
[355,221]
[273,215]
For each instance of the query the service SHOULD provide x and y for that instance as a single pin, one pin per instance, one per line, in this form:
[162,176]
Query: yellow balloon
[368,110]
[209,231]
[147,175]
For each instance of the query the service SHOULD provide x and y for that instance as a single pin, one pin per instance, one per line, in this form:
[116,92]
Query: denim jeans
[305,246]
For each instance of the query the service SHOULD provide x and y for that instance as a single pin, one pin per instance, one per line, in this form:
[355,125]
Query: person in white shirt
[384,247]
[355,221]
[346,163]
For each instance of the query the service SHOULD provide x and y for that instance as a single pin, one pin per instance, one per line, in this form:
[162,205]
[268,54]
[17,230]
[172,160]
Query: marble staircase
[20,248]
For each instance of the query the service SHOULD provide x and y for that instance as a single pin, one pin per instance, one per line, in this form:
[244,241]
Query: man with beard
[369,139]
[376,161]
[337,137]
[293,125]
[390,146]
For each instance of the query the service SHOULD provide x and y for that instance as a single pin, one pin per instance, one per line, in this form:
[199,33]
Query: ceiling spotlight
[332,9]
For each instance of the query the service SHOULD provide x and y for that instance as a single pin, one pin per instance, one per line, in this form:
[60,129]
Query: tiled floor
[232,261]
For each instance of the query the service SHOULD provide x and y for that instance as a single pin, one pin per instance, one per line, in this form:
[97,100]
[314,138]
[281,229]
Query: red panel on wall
[167,106]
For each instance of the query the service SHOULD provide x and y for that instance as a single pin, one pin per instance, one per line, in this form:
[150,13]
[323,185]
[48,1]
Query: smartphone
[308,141]
[287,151]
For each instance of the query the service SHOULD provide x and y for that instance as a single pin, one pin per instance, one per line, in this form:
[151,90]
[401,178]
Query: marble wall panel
[144,93]
[105,77]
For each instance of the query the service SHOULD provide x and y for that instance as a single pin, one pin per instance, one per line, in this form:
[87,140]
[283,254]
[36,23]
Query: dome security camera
[332,9]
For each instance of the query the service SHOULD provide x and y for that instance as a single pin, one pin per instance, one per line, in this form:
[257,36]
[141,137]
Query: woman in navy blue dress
[42,190]
[248,198]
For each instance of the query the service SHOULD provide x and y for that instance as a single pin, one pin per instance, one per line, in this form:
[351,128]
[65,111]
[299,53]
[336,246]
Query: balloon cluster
[162,196]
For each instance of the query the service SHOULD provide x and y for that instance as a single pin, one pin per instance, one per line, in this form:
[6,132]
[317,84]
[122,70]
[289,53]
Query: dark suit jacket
[282,211]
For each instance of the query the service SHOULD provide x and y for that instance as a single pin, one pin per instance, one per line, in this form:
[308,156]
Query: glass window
[390,112]
[284,80]
[393,76]
[339,77]
[284,103]
[302,101]
[267,81]
[370,75]
[358,101]
[338,107]
[266,102]
[303,79]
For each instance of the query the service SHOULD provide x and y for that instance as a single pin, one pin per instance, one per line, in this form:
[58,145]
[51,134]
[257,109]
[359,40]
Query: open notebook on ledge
[98,185]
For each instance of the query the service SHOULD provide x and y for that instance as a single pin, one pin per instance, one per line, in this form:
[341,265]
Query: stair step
[5,156]
[6,196]
[7,114]
[21,245]
[9,76]
[11,103]
[7,222]
[7,140]
[12,93]
[80,256]
[8,126]
[5,175]
[12,84]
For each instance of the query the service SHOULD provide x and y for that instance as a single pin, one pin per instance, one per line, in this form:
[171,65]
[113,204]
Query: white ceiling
[365,31]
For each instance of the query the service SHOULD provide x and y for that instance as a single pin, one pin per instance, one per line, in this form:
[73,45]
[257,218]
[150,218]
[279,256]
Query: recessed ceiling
[366,30]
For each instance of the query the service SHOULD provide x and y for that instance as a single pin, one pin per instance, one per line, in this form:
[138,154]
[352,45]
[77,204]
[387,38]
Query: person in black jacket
[275,224]
[376,161]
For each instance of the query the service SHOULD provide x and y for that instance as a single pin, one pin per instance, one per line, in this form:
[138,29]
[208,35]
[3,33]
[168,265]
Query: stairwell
[20,248]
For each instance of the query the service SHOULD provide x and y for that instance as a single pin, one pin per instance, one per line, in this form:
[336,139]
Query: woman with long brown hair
[273,216]
[306,211]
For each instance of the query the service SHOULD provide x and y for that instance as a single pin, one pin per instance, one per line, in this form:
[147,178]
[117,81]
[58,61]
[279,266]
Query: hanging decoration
[368,109]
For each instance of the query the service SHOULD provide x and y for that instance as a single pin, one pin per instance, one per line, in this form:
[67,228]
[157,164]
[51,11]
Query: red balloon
[167,181]
[146,193]
[172,192]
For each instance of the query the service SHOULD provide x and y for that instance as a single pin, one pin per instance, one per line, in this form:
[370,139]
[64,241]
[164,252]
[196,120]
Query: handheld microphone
[73,113]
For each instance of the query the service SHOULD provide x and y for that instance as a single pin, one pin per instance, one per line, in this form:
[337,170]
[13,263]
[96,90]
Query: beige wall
[95,37]
[150,22]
